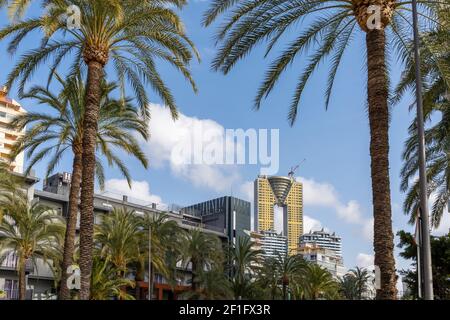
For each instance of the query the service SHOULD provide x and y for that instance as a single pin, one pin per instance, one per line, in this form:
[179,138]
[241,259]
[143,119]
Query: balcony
[10,262]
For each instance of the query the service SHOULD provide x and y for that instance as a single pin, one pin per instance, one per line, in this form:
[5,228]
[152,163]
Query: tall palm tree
[118,235]
[317,283]
[332,26]
[200,251]
[289,269]
[30,232]
[243,261]
[362,277]
[436,78]
[128,36]
[61,131]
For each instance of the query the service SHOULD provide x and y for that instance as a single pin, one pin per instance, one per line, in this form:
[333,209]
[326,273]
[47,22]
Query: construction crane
[293,169]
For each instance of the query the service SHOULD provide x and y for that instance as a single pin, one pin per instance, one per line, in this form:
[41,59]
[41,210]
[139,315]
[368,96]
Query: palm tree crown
[130,35]
[62,130]
[251,22]
[30,231]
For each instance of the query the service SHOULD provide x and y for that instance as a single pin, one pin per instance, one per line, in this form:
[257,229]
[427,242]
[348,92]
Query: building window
[12,289]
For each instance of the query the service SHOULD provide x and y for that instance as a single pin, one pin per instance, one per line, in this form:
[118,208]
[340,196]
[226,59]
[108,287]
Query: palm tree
[61,131]
[317,283]
[267,279]
[347,287]
[281,274]
[243,262]
[9,182]
[332,26]
[289,269]
[166,237]
[118,234]
[213,285]
[436,74]
[30,232]
[105,283]
[127,35]
[362,277]
[201,251]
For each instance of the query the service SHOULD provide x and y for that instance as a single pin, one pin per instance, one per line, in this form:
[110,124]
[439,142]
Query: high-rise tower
[286,193]
[8,136]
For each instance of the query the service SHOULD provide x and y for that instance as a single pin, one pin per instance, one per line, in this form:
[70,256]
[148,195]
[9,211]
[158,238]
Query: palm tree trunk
[22,279]
[69,241]
[90,125]
[377,87]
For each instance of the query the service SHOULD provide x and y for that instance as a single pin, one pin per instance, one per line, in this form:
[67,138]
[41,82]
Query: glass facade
[228,214]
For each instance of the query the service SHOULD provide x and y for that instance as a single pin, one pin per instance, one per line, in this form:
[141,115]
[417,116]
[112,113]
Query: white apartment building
[323,240]
[8,110]
[270,242]
[323,257]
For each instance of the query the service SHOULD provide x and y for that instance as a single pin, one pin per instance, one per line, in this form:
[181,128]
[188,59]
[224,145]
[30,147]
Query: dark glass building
[226,214]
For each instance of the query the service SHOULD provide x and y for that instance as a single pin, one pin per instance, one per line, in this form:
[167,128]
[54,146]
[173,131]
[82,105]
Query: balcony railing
[11,262]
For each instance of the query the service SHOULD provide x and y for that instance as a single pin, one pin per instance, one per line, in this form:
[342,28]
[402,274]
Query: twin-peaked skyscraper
[285,193]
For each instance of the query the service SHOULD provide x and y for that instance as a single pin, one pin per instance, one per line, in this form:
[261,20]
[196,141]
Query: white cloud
[318,194]
[247,190]
[364,260]
[325,195]
[367,229]
[322,194]
[167,134]
[140,190]
[311,224]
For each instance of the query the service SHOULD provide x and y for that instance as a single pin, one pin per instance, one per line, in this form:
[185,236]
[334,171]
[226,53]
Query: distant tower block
[9,109]
[286,193]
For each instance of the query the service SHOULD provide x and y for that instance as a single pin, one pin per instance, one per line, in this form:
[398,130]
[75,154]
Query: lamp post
[425,229]
[150,284]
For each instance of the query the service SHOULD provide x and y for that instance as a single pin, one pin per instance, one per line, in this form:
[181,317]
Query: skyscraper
[8,110]
[226,214]
[285,193]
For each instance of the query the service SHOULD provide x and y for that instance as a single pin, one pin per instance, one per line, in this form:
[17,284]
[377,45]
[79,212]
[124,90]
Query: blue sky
[335,143]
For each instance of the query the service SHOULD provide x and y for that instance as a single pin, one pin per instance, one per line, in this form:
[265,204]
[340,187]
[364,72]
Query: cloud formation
[166,134]
[364,260]
[140,190]
[323,194]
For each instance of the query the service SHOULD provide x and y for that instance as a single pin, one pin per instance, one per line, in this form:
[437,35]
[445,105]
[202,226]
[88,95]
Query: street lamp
[427,275]
[150,286]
